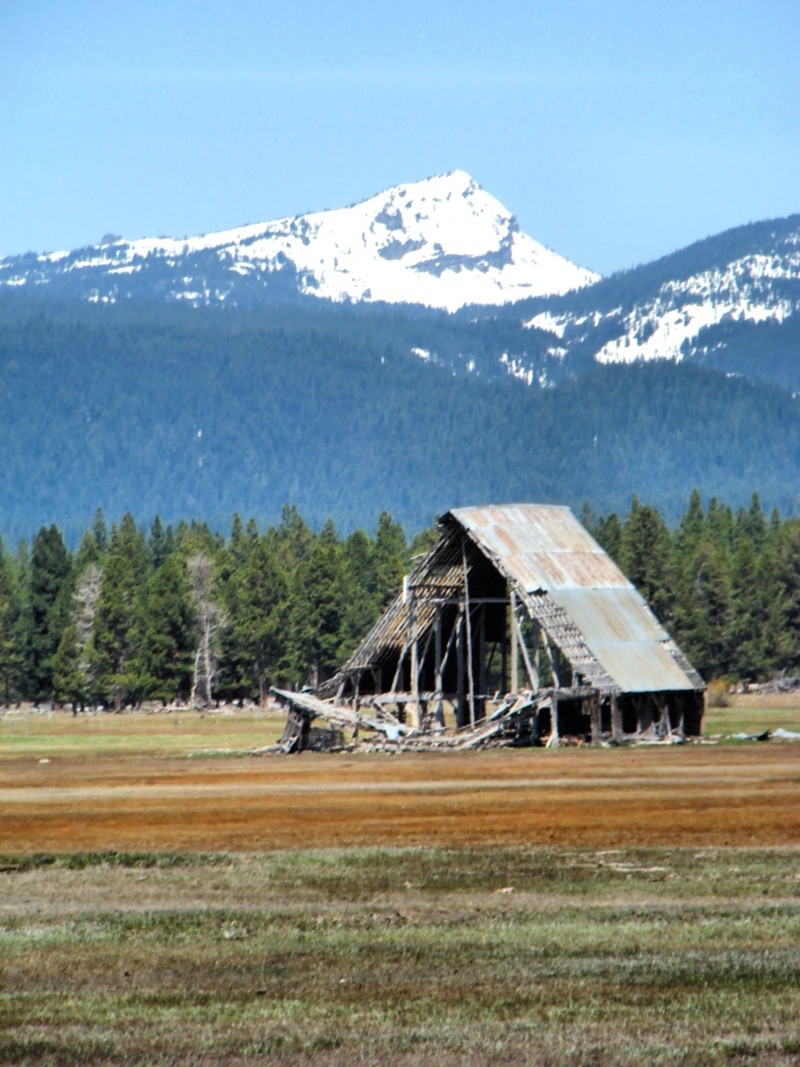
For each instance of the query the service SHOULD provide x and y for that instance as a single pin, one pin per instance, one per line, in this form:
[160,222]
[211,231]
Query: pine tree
[118,614]
[165,638]
[608,534]
[390,559]
[702,611]
[11,654]
[747,615]
[785,622]
[315,609]
[644,551]
[69,680]
[253,643]
[160,544]
[50,571]
[360,605]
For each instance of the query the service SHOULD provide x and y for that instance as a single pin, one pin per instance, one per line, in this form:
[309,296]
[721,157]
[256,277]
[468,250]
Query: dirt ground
[742,795]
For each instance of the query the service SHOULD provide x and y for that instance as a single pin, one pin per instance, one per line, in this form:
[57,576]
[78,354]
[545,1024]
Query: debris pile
[518,719]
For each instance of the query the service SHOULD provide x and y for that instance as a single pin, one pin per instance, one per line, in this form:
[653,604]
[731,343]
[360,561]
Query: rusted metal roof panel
[610,615]
[641,666]
[625,636]
[541,547]
[545,549]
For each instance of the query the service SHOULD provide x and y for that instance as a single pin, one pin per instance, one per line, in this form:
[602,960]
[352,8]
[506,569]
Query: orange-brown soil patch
[693,795]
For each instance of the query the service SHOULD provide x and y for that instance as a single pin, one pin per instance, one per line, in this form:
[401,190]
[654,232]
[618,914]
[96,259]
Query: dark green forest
[198,413]
[180,612]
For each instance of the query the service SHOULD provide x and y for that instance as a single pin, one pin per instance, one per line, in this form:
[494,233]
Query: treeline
[187,613]
[725,585]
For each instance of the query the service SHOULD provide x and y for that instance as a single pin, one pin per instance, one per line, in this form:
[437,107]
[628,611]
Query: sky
[615,130]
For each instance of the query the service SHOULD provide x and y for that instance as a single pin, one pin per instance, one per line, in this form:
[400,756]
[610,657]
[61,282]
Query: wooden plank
[533,675]
[467,615]
[438,684]
[460,672]
[512,627]
[316,708]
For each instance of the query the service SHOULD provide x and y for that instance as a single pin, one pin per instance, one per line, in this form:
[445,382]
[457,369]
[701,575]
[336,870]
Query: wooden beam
[475,601]
[554,735]
[439,669]
[594,711]
[512,627]
[533,675]
[548,650]
[412,619]
[616,718]
[460,698]
[482,650]
[467,615]
[399,670]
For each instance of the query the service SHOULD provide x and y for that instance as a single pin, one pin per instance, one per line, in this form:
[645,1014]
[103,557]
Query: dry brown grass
[695,795]
[269,909]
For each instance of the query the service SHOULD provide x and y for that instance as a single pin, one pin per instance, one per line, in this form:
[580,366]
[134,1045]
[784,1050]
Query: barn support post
[468,614]
[438,683]
[616,718]
[414,707]
[398,674]
[553,741]
[461,700]
[356,689]
[532,672]
[481,709]
[546,642]
[681,731]
[594,712]
[665,729]
[512,629]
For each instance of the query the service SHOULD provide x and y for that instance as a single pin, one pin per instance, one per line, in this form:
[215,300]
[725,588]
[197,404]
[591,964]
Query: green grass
[184,733]
[201,736]
[752,718]
[414,956]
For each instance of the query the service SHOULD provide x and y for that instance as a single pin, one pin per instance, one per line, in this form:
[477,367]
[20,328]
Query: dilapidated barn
[518,627]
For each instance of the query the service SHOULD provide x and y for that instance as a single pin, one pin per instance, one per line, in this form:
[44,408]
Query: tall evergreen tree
[316,609]
[11,653]
[360,604]
[49,605]
[390,558]
[118,614]
[165,642]
[644,551]
[253,644]
[69,679]
[702,611]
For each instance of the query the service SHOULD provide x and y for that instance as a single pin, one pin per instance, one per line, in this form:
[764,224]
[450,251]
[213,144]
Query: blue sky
[616,131]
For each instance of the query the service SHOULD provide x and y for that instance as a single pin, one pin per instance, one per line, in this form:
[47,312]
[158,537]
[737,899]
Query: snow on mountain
[443,242]
[675,308]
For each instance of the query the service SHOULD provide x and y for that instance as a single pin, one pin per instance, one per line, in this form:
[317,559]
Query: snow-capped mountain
[730,301]
[443,242]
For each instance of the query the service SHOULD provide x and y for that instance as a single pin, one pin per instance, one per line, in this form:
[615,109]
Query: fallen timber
[516,720]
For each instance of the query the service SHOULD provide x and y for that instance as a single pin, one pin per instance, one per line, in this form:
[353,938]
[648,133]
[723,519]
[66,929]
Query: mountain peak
[441,242]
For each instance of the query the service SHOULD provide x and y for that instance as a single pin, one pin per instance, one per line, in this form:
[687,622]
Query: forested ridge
[199,413]
[178,613]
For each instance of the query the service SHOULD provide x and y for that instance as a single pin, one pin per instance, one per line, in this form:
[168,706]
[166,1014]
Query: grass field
[166,899]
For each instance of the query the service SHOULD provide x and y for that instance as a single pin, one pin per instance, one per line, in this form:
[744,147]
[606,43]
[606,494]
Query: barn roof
[544,549]
[567,583]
